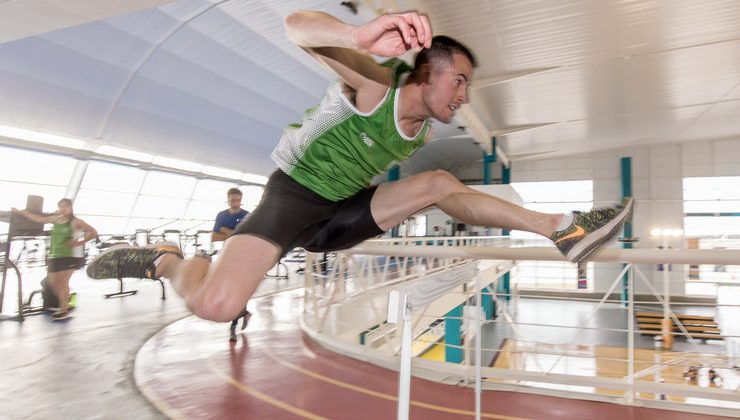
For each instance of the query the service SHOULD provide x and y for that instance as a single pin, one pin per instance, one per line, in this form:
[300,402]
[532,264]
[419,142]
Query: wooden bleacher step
[699,326]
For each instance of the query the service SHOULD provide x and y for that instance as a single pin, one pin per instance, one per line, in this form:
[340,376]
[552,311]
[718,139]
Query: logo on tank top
[367,139]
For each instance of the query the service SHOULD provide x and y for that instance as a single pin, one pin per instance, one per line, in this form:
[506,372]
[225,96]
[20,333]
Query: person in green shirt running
[373,116]
[66,253]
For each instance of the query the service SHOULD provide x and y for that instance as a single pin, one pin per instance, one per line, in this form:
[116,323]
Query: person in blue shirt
[227,220]
[224,227]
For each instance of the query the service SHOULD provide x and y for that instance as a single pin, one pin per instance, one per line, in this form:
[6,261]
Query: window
[711,221]
[212,190]
[107,195]
[252,196]
[164,184]
[25,166]
[104,176]
[117,198]
[25,173]
[551,197]
[413,226]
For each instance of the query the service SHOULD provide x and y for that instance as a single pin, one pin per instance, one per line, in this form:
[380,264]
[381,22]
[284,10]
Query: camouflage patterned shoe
[129,261]
[591,229]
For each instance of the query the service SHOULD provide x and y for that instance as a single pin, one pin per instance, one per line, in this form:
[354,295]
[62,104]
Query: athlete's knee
[214,305]
[213,311]
[440,183]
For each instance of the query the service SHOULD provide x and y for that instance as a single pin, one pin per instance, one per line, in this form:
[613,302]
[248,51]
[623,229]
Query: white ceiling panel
[41,106]
[718,121]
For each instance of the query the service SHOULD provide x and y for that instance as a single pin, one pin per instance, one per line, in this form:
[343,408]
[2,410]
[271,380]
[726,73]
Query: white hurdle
[607,255]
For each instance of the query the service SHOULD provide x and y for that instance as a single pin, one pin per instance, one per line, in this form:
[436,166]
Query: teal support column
[489,159]
[506,278]
[504,286]
[506,179]
[506,174]
[488,304]
[453,336]
[394,174]
[626,172]
[626,163]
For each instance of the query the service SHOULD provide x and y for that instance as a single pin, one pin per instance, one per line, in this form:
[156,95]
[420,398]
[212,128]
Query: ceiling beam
[500,132]
[508,77]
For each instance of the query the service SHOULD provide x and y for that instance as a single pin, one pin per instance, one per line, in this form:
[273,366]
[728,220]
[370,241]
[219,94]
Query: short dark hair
[234,191]
[442,48]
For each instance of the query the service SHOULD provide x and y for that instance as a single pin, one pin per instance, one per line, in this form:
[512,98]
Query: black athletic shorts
[291,215]
[54,265]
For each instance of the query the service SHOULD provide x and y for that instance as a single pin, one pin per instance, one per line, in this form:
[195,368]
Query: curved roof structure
[216,81]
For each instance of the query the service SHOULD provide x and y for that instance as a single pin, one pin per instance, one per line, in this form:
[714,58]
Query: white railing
[347,276]
[349,300]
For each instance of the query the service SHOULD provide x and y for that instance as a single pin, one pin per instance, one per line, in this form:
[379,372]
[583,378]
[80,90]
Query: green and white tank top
[337,150]
[61,233]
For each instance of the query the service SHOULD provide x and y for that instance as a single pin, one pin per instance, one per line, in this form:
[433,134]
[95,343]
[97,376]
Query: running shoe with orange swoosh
[592,229]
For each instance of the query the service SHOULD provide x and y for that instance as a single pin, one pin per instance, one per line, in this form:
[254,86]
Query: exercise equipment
[49,299]
[20,228]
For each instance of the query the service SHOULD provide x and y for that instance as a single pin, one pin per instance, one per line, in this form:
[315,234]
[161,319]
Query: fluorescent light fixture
[124,153]
[666,232]
[177,164]
[39,137]
[254,179]
[222,172]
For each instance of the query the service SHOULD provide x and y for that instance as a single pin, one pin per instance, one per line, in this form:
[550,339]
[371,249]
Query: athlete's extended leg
[394,202]
[219,291]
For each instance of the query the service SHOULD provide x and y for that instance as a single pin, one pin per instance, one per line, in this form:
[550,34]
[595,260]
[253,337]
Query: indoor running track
[189,370]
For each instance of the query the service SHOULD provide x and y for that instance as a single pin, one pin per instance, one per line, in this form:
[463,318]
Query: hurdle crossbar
[606,255]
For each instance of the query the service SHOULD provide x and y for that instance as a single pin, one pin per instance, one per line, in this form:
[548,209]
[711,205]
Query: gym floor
[82,368]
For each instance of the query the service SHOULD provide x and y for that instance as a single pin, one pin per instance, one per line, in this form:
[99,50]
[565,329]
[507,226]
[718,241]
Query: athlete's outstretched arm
[389,35]
[345,48]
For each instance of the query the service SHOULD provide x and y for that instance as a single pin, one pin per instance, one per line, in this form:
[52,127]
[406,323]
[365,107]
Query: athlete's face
[235,201]
[448,87]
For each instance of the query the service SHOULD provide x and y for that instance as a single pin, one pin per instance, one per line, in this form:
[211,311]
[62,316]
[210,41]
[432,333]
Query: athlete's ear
[423,73]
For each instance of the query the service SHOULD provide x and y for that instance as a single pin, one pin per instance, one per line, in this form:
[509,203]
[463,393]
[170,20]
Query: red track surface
[190,370]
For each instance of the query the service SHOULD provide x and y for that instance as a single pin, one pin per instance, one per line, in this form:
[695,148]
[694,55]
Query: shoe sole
[595,239]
